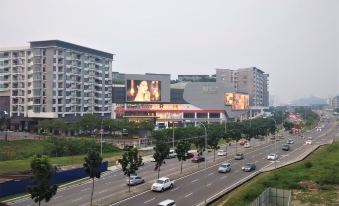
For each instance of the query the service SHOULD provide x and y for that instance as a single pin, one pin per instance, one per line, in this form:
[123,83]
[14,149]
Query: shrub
[308,164]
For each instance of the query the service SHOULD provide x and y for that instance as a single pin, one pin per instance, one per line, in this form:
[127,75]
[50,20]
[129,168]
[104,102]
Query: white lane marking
[114,175]
[85,189]
[188,195]
[149,200]
[210,174]
[223,177]
[58,197]
[77,199]
[174,189]
[208,185]
[195,180]
[102,191]
[173,169]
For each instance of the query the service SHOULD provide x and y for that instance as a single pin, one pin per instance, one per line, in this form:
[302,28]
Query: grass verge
[314,180]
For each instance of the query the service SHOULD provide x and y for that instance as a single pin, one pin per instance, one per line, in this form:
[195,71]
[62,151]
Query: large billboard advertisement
[238,101]
[143,91]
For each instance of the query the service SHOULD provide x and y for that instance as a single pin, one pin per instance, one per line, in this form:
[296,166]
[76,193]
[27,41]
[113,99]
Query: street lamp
[205,143]
[275,144]
[101,135]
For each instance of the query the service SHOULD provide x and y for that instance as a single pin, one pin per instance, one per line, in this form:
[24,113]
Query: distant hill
[307,101]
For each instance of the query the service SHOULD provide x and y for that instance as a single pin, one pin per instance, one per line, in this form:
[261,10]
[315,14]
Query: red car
[197,159]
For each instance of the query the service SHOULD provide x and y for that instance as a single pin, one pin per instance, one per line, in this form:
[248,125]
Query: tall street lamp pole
[205,144]
[275,144]
[101,136]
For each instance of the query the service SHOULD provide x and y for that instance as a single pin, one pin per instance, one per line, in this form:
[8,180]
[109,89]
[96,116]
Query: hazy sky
[295,41]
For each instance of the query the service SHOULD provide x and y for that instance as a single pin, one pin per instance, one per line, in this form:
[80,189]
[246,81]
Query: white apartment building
[51,79]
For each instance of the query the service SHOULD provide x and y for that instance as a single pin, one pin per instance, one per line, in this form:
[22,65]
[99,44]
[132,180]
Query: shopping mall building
[152,97]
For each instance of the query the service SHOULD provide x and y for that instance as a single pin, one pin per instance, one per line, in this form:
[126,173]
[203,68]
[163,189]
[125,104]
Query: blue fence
[19,186]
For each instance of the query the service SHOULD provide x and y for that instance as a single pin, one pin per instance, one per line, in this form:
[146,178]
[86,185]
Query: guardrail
[274,197]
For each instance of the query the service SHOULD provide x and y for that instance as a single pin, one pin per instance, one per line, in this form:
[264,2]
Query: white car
[247,145]
[167,202]
[272,156]
[162,184]
[290,141]
[224,167]
[172,154]
[308,141]
[222,153]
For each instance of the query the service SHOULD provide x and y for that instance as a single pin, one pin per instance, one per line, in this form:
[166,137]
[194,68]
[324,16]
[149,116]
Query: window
[214,115]
[189,115]
[201,115]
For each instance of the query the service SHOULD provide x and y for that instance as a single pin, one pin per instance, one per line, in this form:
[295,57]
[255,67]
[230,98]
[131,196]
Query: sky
[295,41]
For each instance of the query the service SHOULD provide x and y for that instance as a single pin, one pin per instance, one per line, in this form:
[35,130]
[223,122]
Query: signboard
[143,91]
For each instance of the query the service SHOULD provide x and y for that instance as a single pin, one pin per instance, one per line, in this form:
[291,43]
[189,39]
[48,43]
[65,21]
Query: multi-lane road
[192,189]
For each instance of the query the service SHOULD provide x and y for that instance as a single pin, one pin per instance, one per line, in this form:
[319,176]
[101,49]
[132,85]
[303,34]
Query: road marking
[208,185]
[115,175]
[102,191]
[77,199]
[149,200]
[58,197]
[195,180]
[210,174]
[223,177]
[85,189]
[188,195]
[173,168]
[174,189]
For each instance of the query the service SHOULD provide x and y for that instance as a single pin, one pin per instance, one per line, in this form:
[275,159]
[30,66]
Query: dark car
[197,159]
[239,156]
[189,155]
[248,167]
[285,147]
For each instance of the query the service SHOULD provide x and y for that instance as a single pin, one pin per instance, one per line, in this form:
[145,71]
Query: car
[242,142]
[309,138]
[224,167]
[281,136]
[239,156]
[222,153]
[247,145]
[197,159]
[167,202]
[135,180]
[162,184]
[285,147]
[189,155]
[290,141]
[171,154]
[308,141]
[272,156]
[261,138]
[248,167]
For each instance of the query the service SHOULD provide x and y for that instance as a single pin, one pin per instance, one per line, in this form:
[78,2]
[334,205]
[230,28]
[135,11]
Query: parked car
[285,147]
[272,156]
[167,202]
[197,159]
[162,184]
[224,167]
[308,141]
[135,180]
[248,167]
[242,142]
[290,141]
[247,145]
[239,156]
[171,154]
[222,153]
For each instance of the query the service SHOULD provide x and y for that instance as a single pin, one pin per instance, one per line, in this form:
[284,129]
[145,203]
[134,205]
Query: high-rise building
[248,80]
[51,79]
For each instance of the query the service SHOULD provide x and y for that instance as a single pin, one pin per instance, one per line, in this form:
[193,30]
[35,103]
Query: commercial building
[151,97]
[252,81]
[51,79]
[196,78]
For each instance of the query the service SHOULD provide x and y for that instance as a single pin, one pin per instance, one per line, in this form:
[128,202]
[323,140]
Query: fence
[19,186]
[273,197]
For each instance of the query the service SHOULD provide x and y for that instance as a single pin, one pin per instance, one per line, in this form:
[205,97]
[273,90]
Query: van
[171,154]
[167,203]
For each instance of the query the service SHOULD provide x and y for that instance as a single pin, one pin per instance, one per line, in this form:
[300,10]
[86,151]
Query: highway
[192,189]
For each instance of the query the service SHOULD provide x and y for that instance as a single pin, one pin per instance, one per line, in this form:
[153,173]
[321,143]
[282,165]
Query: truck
[162,184]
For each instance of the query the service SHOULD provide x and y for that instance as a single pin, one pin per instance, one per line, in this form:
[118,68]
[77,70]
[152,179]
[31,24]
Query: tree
[161,152]
[42,173]
[92,167]
[130,162]
[181,150]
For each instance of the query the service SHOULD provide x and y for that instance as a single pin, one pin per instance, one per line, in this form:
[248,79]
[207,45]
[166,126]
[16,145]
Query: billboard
[143,90]
[238,101]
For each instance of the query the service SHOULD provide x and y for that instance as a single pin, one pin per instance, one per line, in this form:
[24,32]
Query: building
[182,103]
[51,79]
[196,78]
[334,103]
[252,81]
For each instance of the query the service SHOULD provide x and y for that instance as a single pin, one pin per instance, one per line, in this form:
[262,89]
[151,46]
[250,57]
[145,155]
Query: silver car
[135,180]
[224,167]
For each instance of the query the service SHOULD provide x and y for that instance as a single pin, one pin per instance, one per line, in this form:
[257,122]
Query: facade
[248,80]
[334,102]
[195,78]
[51,79]
[177,104]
